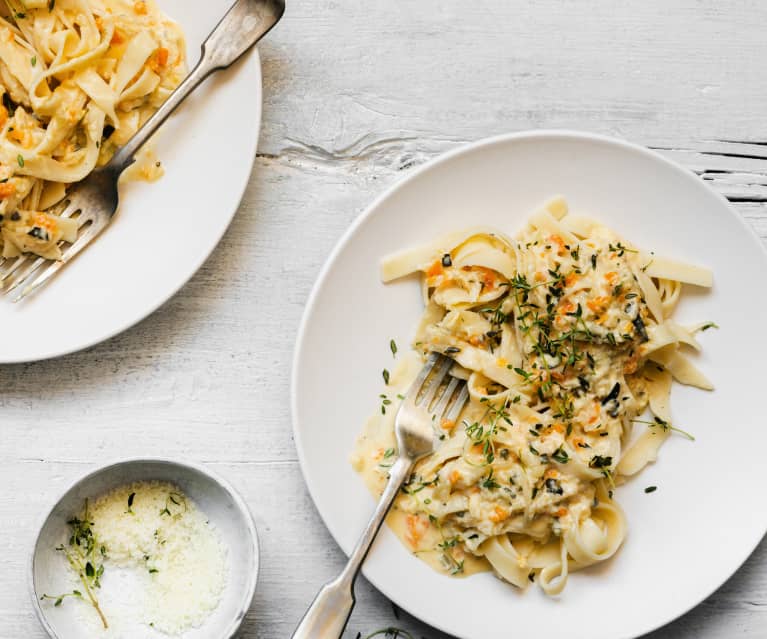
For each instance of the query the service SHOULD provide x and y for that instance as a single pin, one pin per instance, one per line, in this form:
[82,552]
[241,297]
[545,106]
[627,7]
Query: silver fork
[94,200]
[433,395]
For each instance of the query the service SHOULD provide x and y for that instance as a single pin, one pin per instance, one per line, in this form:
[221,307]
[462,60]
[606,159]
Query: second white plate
[164,231]
[703,521]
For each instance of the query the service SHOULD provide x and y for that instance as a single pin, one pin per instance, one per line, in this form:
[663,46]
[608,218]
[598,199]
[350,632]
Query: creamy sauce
[370,460]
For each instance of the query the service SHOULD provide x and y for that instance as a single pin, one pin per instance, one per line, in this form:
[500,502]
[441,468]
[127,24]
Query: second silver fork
[434,395]
[93,201]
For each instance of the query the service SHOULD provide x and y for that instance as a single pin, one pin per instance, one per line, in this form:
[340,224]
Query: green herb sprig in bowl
[86,558]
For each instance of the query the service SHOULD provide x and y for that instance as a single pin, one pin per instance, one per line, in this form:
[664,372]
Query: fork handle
[329,613]
[246,22]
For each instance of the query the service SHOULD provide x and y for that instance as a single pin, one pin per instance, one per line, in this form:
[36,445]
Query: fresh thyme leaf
[523,374]
[20,160]
[554,487]
[393,348]
[385,401]
[488,482]
[578,312]
[177,500]
[613,394]
[385,374]
[560,455]
[598,461]
[651,489]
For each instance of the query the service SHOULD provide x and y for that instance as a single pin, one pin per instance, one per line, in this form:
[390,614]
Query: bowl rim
[242,506]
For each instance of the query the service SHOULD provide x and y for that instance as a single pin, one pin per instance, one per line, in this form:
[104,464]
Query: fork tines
[441,393]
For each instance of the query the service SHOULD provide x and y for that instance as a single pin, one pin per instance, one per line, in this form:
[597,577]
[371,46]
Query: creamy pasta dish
[566,338]
[77,80]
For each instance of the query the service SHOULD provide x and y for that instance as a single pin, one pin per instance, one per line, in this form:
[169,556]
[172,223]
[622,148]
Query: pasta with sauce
[77,79]
[565,336]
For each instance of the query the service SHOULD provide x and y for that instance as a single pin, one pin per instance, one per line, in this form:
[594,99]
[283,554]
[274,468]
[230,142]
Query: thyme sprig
[481,433]
[620,249]
[86,557]
[449,561]
[60,598]
[662,423]
[178,500]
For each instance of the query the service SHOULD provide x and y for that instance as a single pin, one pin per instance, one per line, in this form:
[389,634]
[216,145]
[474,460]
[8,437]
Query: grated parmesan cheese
[165,566]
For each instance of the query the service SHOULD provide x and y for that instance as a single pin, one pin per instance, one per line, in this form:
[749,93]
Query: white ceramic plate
[704,520]
[163,231]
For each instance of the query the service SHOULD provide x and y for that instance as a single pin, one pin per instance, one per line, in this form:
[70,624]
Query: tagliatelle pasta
[77,79]
[565,337]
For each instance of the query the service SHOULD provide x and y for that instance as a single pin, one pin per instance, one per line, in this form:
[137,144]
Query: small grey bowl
[225,509]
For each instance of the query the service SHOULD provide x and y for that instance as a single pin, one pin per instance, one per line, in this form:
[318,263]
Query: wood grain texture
[356,94]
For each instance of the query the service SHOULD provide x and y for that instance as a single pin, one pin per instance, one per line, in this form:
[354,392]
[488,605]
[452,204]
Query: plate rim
[252,61]
[349,234]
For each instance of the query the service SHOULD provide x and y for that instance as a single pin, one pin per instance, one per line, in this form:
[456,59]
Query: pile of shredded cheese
[175,560]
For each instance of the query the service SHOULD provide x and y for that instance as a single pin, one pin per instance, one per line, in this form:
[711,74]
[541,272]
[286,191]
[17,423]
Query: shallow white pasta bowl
[213,495]
[163,231]
[687,537]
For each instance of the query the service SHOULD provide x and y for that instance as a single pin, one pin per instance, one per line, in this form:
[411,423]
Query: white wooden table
[356,93]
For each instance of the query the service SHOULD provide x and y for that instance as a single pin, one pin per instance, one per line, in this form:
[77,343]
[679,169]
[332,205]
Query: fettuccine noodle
[565,337]
[77,80]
